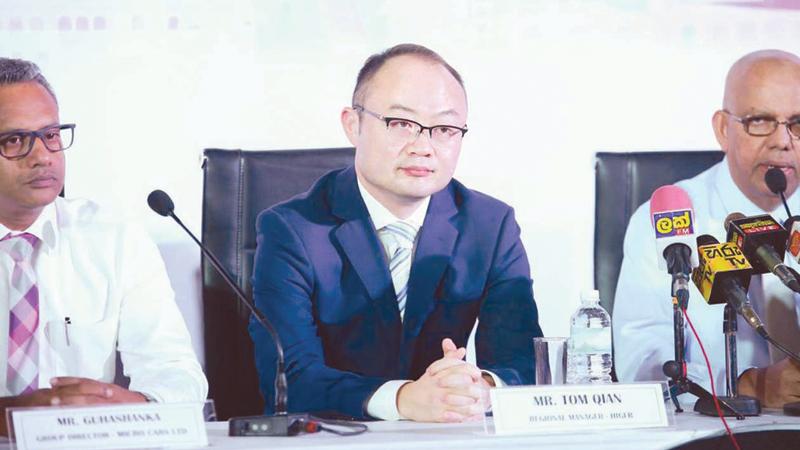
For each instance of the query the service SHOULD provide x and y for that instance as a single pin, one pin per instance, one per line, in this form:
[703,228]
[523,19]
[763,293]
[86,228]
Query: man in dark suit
[375,277]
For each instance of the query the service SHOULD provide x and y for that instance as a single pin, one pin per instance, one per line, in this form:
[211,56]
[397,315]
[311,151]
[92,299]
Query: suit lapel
[432,257]
[357,238]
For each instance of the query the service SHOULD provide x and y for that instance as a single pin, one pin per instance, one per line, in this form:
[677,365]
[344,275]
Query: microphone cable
[313,424]
[354,428]
[711,378]
[780,346]
[762,331]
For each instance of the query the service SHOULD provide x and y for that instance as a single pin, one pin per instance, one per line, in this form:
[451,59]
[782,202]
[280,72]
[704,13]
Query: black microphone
[763,241]
[281,423]
[775,180]
[160,202]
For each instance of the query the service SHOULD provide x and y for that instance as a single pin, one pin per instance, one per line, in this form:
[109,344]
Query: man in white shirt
[375,277]
[78,284]
[758,128]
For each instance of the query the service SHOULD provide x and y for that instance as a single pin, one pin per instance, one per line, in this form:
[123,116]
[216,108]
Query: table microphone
[281,423]
[724,277]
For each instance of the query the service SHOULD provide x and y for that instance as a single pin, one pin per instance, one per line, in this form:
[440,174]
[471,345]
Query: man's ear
[720,124]
[351,124]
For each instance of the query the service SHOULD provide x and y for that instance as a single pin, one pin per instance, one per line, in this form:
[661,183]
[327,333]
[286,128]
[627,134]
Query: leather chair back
[237,186]
[623,181]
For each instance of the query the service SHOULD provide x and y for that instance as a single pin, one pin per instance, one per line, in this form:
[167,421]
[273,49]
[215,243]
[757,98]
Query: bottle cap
[590,295]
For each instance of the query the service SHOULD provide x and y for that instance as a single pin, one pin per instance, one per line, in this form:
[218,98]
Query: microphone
[723,276]
[775,180]
[672,218]
[281,423]
[160,202]
[763,241]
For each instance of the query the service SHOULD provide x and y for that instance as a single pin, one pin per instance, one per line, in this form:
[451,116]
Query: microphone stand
[676,370]
[729,328]
[733,404]
[281,423]
[785,205]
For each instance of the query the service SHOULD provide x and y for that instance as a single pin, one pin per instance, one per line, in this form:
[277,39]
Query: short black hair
[14,71]
[374,63]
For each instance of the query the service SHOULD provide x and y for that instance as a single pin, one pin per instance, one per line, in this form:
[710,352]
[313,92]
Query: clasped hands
[450,390]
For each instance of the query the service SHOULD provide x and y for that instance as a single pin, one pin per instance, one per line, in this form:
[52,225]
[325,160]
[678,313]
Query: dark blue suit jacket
[321,277]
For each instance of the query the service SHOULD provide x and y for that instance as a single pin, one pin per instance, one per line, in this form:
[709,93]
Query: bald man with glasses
[757,128]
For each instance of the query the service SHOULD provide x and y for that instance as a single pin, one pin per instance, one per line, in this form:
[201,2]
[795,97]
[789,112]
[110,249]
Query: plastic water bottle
[589,348]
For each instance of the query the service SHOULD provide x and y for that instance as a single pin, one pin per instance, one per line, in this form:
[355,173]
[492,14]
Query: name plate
[133,425]
[555,408]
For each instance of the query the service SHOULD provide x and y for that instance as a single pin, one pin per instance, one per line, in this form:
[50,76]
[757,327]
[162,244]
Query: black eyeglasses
[764,125]
[18,144]
[406,130]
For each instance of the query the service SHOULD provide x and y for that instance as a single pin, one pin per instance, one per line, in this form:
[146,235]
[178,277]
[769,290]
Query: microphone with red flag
[672,217]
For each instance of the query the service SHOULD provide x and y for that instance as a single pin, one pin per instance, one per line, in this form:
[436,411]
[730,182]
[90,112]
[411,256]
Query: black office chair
[623,181]
[237,186]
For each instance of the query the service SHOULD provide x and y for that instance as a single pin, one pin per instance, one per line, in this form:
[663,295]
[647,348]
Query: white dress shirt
[642,319]
[383,403]
[107,279]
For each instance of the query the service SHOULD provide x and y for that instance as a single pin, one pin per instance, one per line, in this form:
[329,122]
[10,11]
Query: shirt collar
[44,227]
[381,216]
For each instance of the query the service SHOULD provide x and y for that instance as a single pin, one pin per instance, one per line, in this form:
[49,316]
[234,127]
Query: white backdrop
[152,83]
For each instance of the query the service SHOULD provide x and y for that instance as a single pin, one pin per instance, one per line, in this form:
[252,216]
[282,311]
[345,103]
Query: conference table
[771,430]
[687,427]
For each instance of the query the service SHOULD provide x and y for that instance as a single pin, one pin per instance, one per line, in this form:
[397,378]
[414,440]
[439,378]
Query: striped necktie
[22,375]
[398,241]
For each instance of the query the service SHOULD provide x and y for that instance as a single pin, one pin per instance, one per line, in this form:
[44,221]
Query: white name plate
[133,425]
[555,408]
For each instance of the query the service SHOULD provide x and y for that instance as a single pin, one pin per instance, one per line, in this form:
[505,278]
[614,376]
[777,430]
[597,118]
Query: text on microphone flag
[723,256]
[673,223]
[716,261]
[761,228]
